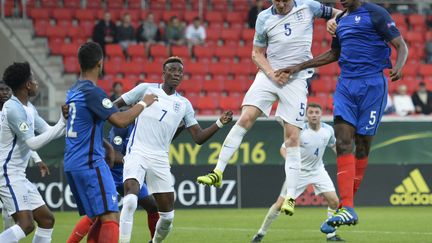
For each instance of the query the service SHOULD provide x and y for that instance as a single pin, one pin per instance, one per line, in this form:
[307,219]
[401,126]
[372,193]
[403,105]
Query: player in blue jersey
[361,46]
[18,124]
[85,167]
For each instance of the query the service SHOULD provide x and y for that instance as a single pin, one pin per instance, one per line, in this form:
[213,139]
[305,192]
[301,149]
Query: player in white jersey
[314,138]
[20,121]
[5,94]
[147,150]
[283,34]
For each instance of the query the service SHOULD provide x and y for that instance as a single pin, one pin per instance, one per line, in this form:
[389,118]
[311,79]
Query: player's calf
[130,203]
[163,226]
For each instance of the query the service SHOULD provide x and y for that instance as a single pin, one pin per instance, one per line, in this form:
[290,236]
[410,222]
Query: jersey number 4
[72,111]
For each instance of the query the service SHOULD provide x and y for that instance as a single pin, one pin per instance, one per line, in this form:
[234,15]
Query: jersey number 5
[72,111]
[288,29]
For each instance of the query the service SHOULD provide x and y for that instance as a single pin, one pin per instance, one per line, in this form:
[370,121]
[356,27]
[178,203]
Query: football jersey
[288,38]
[157,124]
[89,107]
[313,144]
[118,138]
[362,37]
[17,124]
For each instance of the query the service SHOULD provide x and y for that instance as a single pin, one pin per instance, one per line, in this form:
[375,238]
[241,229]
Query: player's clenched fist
[226,117]
[149,99]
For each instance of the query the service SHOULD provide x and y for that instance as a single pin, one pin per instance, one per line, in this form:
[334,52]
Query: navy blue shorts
[94,190]
[361,102]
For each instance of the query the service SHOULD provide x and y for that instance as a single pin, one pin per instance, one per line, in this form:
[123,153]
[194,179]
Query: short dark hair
[314,105]
[172,60]
[16,75]
[89,55]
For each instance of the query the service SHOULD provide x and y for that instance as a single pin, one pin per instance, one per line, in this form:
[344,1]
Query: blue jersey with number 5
[89,107]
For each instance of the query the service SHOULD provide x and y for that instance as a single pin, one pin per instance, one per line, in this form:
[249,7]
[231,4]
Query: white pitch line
[305,230]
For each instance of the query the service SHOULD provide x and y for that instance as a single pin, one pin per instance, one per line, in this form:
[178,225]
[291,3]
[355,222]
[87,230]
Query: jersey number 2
[72,110]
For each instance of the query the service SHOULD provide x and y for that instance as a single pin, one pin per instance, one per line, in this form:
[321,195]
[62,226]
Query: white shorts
[292,98]
[319,179]
[20,196]
[156,174]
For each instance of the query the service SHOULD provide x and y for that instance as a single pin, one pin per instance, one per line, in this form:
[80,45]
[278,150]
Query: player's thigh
[345,100]
[372,106]
[292,104]
[20,195]
[159,179]
[302,183]
[44,217]
[248,116]
[261,94]
[134,169]
[322,182]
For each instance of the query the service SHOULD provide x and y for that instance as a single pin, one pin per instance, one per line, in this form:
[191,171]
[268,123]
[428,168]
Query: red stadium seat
[114,3]
[190,15]
[229,34]
[322,86]
[425,70]
[131,68]
[167,15]
[70,4]
[223,52]
[41,26]
[213,86]
[242,69]
[63,14]
[181,51]
[112,68]
[194,86]
[197,69]
[244,52]
[219,69]
[206,103]
[71,64]
[203,52]
[247,34]
[235,17]
[136,50]
[55,44]
[113,50]
[413,37]
[178,5]
[235,86]
[399,19]
[134,4]
[213,16]
[39,13]
[232,103]
[87,27]
[158,51]
[417,21]
[69,49]
[153,68]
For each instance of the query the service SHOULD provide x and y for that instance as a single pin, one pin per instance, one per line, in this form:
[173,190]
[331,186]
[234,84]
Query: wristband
[219,123]
[143,104]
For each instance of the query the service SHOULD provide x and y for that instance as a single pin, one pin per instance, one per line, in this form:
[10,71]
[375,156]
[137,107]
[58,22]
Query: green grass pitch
[377,224]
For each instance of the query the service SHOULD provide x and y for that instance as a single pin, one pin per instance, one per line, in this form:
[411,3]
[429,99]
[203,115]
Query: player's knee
[47,222]
[343,146]
[166,219]
[130,202]
[27,226]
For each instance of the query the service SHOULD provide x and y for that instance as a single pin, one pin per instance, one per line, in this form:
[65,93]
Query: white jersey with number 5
[157,124]
[288,38]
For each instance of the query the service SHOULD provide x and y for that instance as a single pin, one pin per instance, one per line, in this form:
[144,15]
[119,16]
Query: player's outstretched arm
[402,54]
[330,56]
[259,58]
[200,135]
[122,119]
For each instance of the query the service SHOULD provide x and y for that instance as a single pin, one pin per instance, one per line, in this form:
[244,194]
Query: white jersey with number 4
[157,124]
[288,38]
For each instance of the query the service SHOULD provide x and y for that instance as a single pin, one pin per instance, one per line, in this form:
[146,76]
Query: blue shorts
[94,190]
[117,174]
[361,102]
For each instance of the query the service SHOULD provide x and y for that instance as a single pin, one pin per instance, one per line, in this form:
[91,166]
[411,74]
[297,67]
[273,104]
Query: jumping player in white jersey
[147,150]
[20,121]
[314,138]
[283,34]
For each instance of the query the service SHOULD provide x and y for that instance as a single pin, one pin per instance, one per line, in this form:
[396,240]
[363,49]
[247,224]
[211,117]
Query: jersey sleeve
[40,124]
[189,118]
[99,103]
[17,121]
[332,140]
[383,23]
[135,94]
[319,10]
[260,37]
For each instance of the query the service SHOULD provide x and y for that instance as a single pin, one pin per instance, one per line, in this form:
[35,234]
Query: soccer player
[118,138]
[19,122]
[147,151]
[314,138]
[283,33]
[5,94]
[361,46]
[85,167]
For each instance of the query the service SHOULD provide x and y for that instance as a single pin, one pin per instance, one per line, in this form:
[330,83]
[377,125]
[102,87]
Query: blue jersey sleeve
[383,23]
[99,103]
[319,10]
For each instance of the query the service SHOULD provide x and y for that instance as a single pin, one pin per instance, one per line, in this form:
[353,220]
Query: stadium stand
[222,65]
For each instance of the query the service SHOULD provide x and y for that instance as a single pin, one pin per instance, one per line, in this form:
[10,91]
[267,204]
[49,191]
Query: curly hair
[172,60]
[89,55]
[17,74]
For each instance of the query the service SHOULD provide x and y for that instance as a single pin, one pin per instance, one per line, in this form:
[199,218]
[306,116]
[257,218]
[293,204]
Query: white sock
[8,221]
[130,202]
[330,213]
[42,235]
[163,226]
[12,235]
[292,170]
[230,146]
[272,214]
